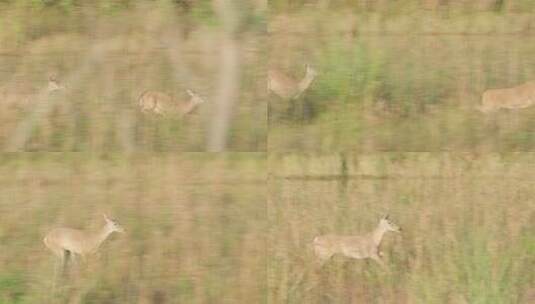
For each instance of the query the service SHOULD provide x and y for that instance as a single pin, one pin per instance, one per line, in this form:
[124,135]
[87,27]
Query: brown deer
[356,246]
[68,243]
[287,87]
[519,97]
[162,103]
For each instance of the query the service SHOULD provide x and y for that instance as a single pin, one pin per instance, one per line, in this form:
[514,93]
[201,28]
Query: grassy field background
[467,223]
[394,77]
[401,77]
[195,227]
[109,52]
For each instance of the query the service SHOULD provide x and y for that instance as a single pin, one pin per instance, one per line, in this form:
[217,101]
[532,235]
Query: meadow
[467,225]
[388,126]
[107,53]
[195,227]
[401,77]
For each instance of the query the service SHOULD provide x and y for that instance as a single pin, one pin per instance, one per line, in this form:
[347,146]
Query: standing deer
[160,103]
[65,243]
[519,97]
[356,247]
[287,87]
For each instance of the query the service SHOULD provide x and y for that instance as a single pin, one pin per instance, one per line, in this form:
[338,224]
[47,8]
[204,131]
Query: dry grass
[115,57]
[466,237]
[195,227]
[401,82]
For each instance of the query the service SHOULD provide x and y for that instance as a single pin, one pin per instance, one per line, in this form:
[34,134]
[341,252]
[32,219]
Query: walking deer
[357,247]
[287,87]
[66,243]
[519,97]
[161,103]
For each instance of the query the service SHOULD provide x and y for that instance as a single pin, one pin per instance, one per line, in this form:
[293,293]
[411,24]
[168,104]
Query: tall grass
[141,46]
[466,229]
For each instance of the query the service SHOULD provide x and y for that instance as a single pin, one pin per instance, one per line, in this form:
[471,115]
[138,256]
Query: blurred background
[107,52]
[401,75]
[195,227]
[467,221]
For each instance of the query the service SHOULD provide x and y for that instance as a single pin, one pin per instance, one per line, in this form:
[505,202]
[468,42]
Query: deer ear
[190,92]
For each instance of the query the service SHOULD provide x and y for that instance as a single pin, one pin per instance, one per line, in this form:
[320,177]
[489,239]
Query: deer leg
[158,109]
[379,261]
[322,260]
[83,260]
[57,265]
[322,256]
[66,257]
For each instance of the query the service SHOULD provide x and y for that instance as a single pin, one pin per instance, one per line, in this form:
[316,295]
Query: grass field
[195,227]
[389,125]
[401,80]
[467,227]
[107,55]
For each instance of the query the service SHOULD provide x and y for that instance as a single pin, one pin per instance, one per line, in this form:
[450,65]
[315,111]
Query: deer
[161,103]
[66,243]
[287,87]
[21,93]
[519,97]
[53,84]
[364,246]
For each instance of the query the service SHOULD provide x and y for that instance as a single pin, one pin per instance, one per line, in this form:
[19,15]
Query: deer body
[519,97]
[161,103]
[286,87]
[64,242]
[357,247]
[74,240]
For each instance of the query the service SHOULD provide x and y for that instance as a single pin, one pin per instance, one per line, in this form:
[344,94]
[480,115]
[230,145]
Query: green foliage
[12,288]
[348,72]
[203,12]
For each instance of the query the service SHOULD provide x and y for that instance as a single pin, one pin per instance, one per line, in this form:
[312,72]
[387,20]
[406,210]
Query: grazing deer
[67,242]
[288,88]
[519,97]
[160,103]
[357,247]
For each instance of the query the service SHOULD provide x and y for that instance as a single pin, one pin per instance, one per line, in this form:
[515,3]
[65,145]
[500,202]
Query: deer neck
[98,238]
[305,83]
[377,235]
